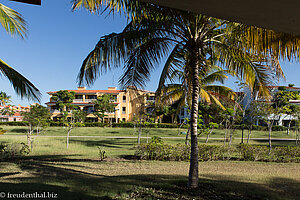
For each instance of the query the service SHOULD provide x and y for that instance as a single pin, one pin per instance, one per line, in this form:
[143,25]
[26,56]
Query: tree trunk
[140,132]
[187,136]
[134,127]
[289,126]
[249,134]
[270,140]
[147,136]
[231,135]
[225,135]
[297,137]
[208,134]
[193,172]
[29,141]
[242,141]
[68,136]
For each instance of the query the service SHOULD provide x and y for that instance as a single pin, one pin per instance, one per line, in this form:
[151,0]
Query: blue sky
[59,40]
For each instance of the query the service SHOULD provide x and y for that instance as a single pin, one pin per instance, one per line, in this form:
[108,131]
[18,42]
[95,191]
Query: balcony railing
[54,111]
[89,100]
[78,100]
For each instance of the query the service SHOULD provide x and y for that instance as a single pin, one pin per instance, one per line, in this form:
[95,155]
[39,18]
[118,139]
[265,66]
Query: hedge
[181,152]
[20,123]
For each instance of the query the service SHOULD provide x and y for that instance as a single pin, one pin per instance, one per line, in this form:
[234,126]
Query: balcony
[54,111]
[89,100]
[78,100]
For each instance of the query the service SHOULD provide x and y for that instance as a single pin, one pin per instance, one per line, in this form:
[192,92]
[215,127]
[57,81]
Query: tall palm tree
[180,93]
[188,40]
[14,24]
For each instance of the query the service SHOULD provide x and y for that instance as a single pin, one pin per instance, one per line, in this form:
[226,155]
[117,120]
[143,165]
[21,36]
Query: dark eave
[35,2]
[279,15]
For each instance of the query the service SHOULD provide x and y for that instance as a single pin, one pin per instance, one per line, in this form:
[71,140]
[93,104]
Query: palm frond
[174,61]
[12,21]
[21,85]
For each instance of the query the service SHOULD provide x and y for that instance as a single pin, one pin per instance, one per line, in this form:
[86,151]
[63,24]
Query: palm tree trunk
[187,136]
[193,173]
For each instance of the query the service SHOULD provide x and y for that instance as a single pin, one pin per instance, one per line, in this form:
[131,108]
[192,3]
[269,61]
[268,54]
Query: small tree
[104,105]
[77,120]
[64,100]
[253,114]
[269,113]
[38,116]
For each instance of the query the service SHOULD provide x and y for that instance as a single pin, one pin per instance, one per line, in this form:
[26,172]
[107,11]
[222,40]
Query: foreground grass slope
[121,179]
[77,172]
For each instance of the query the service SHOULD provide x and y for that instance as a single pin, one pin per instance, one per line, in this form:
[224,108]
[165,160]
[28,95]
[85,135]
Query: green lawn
[162,132]
[123,179]
[77,172]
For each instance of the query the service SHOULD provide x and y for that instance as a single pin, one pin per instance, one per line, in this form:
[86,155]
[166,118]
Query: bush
[95,124]
[279,128]
[253,152]
[11,151]
[212,152]
[22,123]
[156,150]
[285,154]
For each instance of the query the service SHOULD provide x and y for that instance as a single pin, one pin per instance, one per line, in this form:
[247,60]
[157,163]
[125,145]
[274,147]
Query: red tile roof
[90,91]
[296,88]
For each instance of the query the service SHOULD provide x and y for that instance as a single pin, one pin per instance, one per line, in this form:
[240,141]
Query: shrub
[11,151]
[285,154]
[279,128]
[101,153]
[156,150]
[95,124]
[212,152]
[22,123]
[253,152]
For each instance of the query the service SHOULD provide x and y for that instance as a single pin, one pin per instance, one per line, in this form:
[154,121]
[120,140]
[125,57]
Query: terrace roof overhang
[278,15]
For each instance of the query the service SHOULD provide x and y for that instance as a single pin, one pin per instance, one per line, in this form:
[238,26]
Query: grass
[162,132]
[123,179]
[77,172]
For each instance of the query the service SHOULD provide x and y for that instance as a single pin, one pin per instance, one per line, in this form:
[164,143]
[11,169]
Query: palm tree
[4,98]
[180,93]
[188,40]
[14,24]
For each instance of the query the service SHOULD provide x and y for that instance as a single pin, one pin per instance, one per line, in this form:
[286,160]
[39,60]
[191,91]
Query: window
[124,99]
[123,110]
[78,96]
[92,97]
[150,98]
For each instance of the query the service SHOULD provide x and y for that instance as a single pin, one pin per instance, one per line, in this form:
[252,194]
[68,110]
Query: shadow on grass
[111,143]
[80,184]
[18,130]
